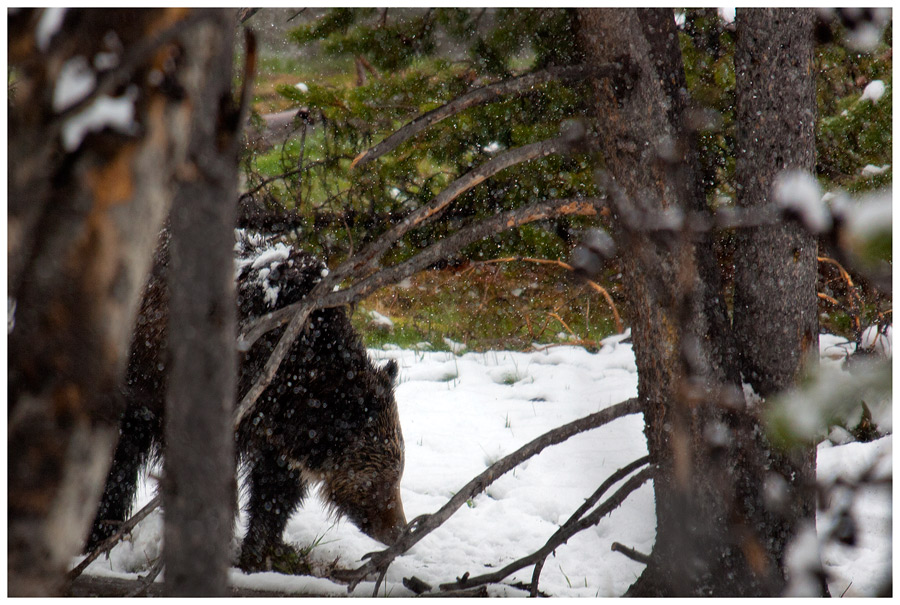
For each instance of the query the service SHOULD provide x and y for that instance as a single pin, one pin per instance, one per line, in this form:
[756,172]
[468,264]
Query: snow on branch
[479,96]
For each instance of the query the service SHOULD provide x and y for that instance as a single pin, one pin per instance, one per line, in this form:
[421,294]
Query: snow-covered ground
[460,414]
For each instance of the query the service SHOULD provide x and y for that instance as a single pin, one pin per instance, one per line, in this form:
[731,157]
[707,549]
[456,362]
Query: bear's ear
[391,369]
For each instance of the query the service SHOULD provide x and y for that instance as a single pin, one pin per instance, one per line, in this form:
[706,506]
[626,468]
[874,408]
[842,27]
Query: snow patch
[10,314]
[113,112]
[869,216]
[380,321]
[105,61]
[727,14]
[803,565]
[302,87]
[76,81]
[269,256]
[457,417]
[877,339]
[51,21]
[873,170]
[455,347]
[873,91]
[799,192]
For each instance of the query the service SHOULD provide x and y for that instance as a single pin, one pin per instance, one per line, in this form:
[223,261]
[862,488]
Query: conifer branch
[367,259]
[479,96]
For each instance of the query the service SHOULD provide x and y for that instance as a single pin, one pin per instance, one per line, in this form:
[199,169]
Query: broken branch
[114,539]
[630,553]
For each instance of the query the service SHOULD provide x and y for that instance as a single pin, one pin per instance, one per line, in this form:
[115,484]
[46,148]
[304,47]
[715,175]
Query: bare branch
[573,525]
[479,96]
[422,526]
[114,539]
[146,582]
[296,325]
[630,553]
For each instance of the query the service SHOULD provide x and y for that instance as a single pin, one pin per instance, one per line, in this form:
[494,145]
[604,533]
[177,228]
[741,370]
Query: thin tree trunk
[775,305]
[83,220]
[199,486]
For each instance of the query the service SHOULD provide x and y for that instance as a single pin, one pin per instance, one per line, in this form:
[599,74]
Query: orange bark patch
[112,183]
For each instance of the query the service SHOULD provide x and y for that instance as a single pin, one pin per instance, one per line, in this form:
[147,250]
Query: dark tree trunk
[775,305]
[714,533]
[83,220]
[199,486]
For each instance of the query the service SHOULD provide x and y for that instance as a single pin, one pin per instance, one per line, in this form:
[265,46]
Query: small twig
[244,14]
[114,539]
[630,553]
[556,316]
[480,591]
[479,96]
[594,285]
[269,180]
[846,589]
[853,296]
[828,298]
[415,584]
[424,525]
[147,581]
[297,14]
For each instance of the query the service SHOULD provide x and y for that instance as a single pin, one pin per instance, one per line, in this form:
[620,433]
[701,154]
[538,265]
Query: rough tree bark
[83,221]
[199,486]
[715,534]
[775,306]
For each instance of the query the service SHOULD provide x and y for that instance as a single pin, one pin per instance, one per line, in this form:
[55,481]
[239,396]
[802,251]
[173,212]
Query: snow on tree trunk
[199,485]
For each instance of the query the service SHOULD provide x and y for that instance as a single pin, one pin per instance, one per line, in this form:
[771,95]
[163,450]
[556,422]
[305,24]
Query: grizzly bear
[328,416]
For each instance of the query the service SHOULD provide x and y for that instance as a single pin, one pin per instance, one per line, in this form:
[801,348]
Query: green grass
[487,307]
